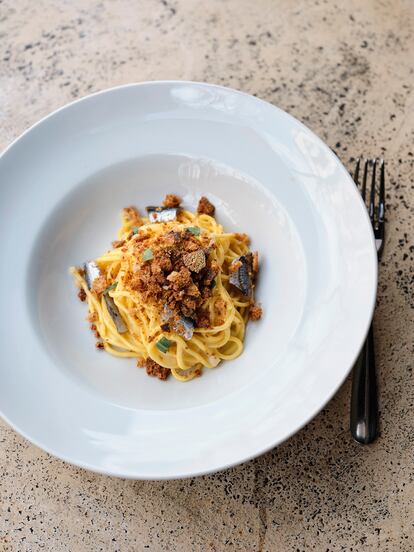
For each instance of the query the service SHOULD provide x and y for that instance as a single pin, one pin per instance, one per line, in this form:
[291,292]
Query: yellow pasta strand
[185,358]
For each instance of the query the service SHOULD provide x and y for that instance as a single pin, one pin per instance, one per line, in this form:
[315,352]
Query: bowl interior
[84,223]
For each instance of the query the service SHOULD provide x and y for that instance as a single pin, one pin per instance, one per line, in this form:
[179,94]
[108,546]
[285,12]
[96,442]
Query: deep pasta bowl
[64,182]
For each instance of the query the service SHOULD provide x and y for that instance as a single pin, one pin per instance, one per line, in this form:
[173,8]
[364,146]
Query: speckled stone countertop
[346,69]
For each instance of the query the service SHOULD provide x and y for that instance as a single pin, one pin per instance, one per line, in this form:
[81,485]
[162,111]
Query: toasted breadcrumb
[99,284]
[220,307]
[203,318]
[118,243]
[131,215]
[255,312]
[93,317]
[255,262]
[205,207]
[154,369]
[180,279]
[235,265]
[195,261]
[242,237]
[82,294]
[95,331]
[171,200]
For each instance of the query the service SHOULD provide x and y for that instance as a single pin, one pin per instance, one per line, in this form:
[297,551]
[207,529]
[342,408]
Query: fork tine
[356,172]
[364,180]
[381,206]
[372,194]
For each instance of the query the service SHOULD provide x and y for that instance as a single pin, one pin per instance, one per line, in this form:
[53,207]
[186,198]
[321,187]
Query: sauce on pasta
[175,291]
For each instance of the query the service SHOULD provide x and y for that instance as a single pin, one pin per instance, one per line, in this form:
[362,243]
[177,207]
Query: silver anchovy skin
[161,214]
[242,278]
[185,327]
[92,271]
[115,314]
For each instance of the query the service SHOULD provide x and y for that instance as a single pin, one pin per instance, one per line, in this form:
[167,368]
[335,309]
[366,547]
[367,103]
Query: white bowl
[64,182]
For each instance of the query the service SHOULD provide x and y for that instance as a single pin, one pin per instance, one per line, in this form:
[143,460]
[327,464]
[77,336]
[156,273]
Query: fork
[364,398]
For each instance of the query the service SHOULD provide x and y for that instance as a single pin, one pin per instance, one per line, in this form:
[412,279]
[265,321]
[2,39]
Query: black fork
[364,399]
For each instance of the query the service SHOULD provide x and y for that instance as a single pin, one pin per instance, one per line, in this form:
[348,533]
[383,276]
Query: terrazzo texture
[346,69]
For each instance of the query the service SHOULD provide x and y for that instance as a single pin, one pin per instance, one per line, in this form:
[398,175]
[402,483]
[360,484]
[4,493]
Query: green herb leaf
[112,286]
[213,284]
[163,344]
[135,229]
[147,255]
[194,230]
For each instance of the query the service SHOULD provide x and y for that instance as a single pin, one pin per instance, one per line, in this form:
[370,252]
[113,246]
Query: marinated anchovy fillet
[92,272]
[115,314]
[185,327]
[161,214]
[241,274]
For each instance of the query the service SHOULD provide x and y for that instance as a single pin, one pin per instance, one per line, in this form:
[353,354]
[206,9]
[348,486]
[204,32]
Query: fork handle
[364,399]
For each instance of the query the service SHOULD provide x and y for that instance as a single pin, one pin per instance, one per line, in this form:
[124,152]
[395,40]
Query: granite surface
[347,70]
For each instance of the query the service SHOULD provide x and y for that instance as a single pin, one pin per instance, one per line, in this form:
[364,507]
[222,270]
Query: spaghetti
[175,291]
